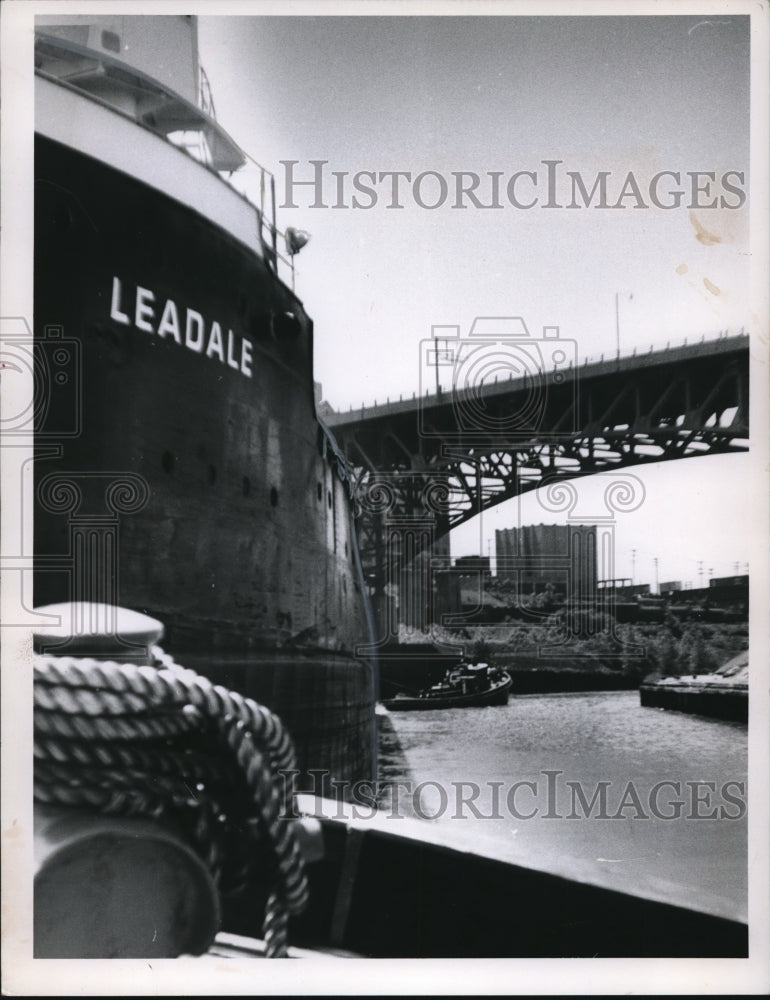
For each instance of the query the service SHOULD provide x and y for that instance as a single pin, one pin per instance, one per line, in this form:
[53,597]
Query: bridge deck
[583,374]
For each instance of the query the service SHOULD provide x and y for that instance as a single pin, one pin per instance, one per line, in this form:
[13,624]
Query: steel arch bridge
[425,465]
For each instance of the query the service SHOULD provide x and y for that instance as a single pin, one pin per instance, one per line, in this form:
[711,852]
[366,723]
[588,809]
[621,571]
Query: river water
[684,842]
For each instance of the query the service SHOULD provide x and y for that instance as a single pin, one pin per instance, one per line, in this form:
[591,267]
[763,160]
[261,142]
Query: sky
[490,95]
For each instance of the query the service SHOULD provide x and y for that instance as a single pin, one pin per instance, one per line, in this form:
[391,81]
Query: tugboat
[463,686]
[187,850]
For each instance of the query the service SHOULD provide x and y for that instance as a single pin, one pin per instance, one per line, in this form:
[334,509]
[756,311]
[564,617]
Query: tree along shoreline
[619,659]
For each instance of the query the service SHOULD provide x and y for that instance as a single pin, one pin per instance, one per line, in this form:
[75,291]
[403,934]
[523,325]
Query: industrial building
[562,557]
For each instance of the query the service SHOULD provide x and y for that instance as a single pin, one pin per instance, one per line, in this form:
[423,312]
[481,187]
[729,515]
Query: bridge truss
[422,467]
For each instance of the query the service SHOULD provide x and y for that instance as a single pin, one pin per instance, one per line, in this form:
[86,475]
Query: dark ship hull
[180,468]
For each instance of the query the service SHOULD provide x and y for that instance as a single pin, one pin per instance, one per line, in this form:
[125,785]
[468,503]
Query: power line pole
[617,320]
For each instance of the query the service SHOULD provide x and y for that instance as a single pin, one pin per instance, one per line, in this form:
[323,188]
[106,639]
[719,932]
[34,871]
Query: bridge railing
[604,358]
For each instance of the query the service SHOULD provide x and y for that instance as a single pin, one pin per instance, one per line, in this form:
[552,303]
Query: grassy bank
[546,657]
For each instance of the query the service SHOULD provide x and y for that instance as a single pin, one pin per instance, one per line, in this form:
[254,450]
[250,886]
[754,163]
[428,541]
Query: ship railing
[264,202]
[205,96]
[196,142]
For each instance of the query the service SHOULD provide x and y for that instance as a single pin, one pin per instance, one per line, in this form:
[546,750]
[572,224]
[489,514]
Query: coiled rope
[163,742]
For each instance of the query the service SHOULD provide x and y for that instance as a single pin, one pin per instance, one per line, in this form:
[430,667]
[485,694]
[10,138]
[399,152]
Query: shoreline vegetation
[546,657]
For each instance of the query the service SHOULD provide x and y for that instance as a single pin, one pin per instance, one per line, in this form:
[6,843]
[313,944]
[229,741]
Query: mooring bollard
[106,886]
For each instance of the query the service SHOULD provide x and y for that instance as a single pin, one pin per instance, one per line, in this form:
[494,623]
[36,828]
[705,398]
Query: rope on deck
[163,742]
